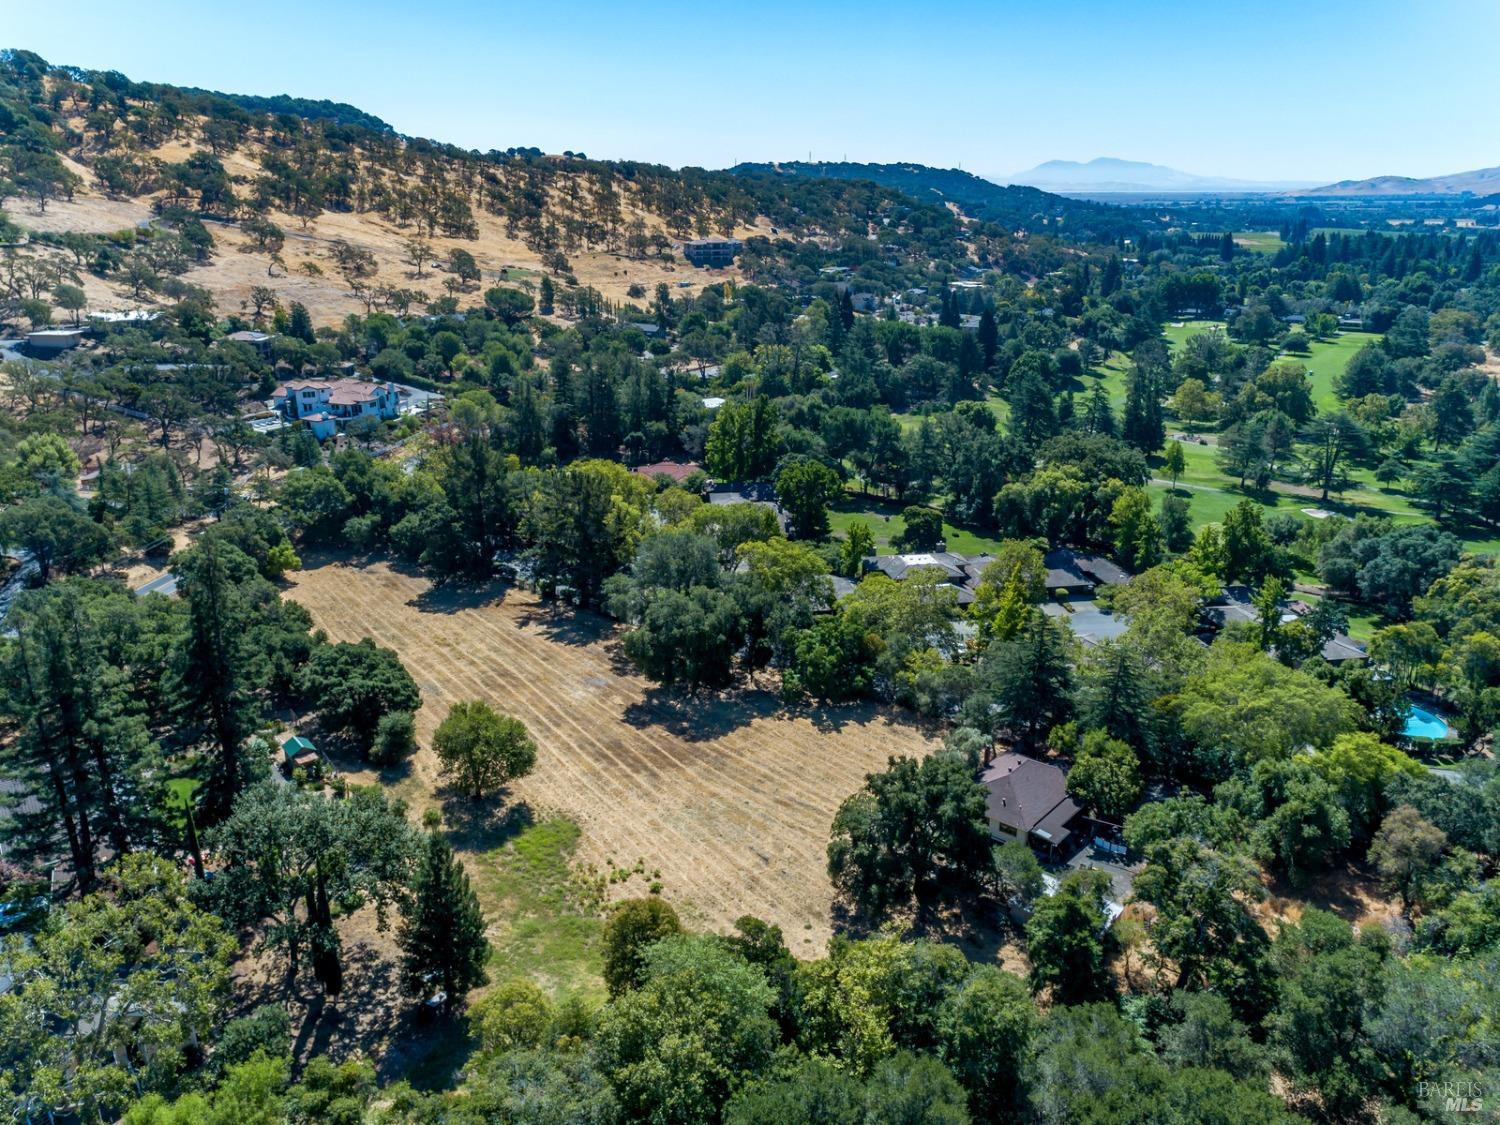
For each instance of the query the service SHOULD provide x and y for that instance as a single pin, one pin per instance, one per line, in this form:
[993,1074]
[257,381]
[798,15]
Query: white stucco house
[326,402]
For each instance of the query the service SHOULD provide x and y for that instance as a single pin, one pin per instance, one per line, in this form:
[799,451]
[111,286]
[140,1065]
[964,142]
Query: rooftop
[677,470]
[1067,568]
[1029,795]
[341,392]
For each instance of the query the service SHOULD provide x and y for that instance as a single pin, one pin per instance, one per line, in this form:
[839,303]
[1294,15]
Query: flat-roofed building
[712,251]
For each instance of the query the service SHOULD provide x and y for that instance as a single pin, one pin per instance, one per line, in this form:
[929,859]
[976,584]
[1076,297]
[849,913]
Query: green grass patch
[1212,494]
[180,792]
[886,524]
[1111,374]
[1259,241]
[997,406]
[1177,332]
[1363,622]
[1327,360]
[549,913]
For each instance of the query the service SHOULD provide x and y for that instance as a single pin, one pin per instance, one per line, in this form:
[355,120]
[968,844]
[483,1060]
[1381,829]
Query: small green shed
[299,751]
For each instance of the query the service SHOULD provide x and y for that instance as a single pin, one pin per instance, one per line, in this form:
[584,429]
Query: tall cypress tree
[948,315]
[1143,426]
[989,337]
[211,665]
[442,937]
[1109,281]
[1098,417]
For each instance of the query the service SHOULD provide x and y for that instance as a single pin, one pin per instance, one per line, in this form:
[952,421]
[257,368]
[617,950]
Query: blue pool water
[1424,724]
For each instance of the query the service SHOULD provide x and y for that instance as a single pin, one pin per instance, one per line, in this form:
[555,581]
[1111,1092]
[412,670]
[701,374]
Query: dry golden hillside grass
[232,272]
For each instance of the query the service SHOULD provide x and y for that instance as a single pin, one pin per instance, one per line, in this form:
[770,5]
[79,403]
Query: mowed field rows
[732,798]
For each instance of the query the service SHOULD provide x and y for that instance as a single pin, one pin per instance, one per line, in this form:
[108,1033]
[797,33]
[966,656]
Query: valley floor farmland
[731,799]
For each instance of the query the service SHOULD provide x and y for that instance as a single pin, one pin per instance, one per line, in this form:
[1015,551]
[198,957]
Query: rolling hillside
[1481,181]
[1016,206]
[325,205]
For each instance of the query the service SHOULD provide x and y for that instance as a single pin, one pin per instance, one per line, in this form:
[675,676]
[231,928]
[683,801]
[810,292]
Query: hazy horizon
[1291,92]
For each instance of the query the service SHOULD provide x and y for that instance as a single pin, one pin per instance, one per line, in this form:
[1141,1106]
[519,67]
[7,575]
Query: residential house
[1028,800]
[48,342]
[339,400]
[322,424]
[741,492]
[760,492]
[962,572]
[17,802]
[711,251]
[1233,604]
[1090,624]
[679,471]
[123,317]
[1073,573]
[1236,604]
[260,341]
[1339,649]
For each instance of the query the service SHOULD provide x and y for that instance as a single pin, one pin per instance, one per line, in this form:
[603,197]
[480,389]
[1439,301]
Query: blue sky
[1314,90]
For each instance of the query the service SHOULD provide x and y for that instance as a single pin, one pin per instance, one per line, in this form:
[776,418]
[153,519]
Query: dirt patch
[369,1018]
[730,797]
[1349,890]
[136,569]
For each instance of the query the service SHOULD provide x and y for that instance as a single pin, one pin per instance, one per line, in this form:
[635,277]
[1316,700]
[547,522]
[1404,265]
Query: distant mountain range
[1483,181]
[1109,176]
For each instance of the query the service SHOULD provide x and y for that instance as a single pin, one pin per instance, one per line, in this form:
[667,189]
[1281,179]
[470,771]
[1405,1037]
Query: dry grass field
[233,272]
[730,798]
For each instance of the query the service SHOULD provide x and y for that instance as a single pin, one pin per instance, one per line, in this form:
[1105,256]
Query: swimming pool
[1424,724]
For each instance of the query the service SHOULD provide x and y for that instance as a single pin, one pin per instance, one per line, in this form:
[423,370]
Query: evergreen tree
[300,325]
[989,338]
[476,482]
[442,936]
[1033,414]
[1032,680]
[1109,280]
[1143,426]
[80,743]
[212,664]
[1098,416]
[1118,693]
[948,310]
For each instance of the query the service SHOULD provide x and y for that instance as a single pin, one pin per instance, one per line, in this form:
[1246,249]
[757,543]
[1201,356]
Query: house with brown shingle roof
[1028,800]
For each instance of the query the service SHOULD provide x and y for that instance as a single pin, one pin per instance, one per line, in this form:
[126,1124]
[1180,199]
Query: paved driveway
[162,584]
